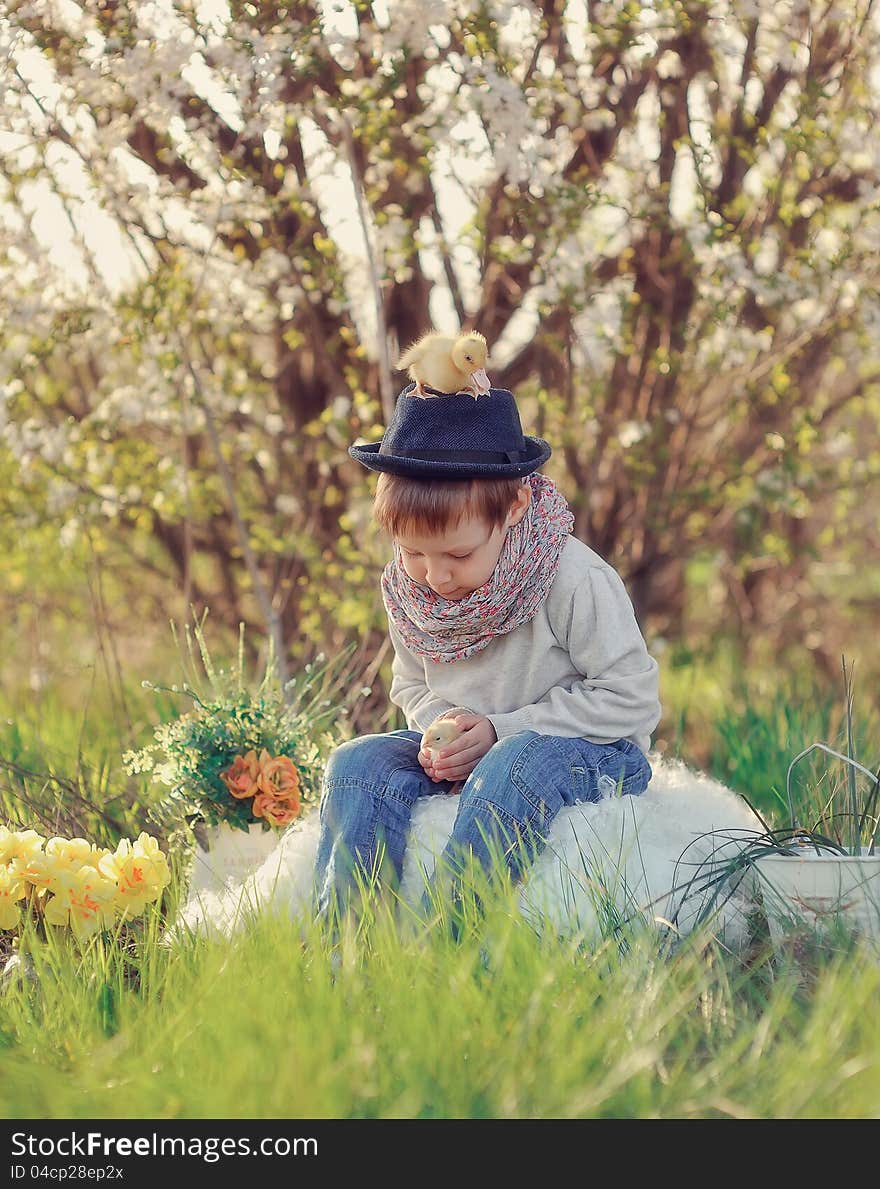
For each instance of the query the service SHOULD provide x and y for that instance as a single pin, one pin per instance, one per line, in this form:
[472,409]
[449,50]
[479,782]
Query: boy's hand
[457,759]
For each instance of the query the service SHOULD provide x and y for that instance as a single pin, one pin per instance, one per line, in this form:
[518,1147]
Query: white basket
[821,890]
[231,855]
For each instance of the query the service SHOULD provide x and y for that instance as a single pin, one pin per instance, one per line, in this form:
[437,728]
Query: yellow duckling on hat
[447,363]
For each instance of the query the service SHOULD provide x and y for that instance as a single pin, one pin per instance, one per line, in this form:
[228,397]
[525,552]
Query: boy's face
[459,560]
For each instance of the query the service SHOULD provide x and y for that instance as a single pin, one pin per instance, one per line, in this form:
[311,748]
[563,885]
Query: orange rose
[241,778]
[276,813]
[279,778]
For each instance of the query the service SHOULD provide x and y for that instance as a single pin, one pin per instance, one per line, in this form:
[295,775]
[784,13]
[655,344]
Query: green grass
[745,729]
[61,764]
[409,1023]
[501,1023]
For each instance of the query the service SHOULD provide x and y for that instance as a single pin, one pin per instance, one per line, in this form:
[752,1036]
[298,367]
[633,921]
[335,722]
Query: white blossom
[478,123]
[632,432]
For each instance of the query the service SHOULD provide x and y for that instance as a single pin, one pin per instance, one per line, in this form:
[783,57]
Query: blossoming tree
[663,216]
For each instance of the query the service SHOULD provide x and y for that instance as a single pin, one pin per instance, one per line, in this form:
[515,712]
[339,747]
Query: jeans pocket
[604,770]
[635,771]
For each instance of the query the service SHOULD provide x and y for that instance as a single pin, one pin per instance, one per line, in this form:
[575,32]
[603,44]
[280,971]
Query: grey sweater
[579,668]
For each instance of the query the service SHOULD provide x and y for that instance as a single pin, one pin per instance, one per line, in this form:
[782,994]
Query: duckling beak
[480,381]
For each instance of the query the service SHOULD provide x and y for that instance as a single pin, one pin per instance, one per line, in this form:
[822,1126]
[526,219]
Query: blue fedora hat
[454,436]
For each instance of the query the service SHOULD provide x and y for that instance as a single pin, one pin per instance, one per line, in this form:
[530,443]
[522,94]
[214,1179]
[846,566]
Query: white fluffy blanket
[613,860]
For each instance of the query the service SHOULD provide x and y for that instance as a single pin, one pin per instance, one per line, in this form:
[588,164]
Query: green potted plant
[829,872]
[820,871]
[242,763]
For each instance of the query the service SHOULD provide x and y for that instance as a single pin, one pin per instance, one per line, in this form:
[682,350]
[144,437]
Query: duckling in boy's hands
[448,364]
[441,732]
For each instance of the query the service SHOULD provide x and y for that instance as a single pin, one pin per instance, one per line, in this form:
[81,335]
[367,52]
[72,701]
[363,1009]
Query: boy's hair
[433,505]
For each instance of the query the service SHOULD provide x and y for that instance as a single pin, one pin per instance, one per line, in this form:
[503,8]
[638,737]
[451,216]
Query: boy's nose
[439,580]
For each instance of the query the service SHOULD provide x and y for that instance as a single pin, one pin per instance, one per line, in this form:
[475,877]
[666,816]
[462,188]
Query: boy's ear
[520,505]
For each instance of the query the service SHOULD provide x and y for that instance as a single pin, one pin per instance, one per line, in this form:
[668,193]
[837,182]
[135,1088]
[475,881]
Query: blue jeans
[507,802]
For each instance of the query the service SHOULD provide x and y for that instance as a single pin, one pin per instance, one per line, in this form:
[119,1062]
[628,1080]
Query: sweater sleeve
[617,696]
[409,690]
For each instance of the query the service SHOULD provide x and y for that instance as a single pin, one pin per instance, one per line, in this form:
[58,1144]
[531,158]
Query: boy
[504,621]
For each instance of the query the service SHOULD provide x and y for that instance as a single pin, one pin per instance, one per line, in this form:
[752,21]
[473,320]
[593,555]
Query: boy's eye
[457,556]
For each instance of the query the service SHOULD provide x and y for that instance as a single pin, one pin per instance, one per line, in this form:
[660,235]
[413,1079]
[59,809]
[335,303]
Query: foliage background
[220,221]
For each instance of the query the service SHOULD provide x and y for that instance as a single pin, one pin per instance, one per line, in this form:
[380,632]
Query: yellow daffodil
[63,856]
[140,871]
[39,870]
[71,853]
[11,890]
[78,885]
[19,844]
[84,900]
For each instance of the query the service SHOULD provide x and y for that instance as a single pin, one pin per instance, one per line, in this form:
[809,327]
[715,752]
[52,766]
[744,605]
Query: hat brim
[537,451]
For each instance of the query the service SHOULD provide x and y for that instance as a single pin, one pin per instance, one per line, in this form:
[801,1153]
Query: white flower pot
[821,890]
[231,855]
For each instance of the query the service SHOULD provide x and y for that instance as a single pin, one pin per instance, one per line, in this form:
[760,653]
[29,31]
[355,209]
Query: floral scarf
[450,630]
